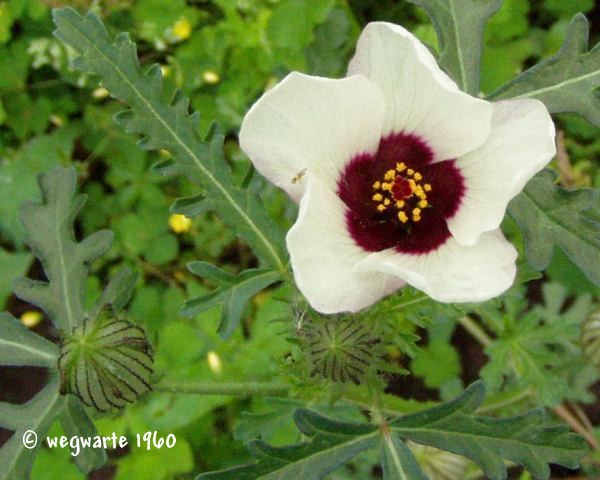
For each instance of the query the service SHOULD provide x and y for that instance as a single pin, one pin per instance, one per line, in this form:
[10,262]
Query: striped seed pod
[340,349]
[106,363]
[590,338]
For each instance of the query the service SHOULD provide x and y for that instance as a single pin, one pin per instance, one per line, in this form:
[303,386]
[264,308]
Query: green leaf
[566,82]
[452,427]
[332,444]
[66,262]
[17,264]
[397,461]
[49,232]
[535,346]
[36,415]
[489,441]
[232,292]
[459,25]
[76,423]
[551,216]
[19,346]
[169,126]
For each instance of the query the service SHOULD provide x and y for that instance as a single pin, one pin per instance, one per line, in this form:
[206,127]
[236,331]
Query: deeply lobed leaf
[452,426]
[550,216]
[50,233]
[489,441]
[232,292]
[459,26]
[566,82]
[169,126]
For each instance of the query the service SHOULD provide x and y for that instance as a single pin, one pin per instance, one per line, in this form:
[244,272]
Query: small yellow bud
[389,175]
[378,197]
[387,201]
[180,223]
[400,203]
[381,208]
[418,176]
[214,362]
[400,166]
[416,211]
[427,187]
[423,203]
[377,185]
[182,29]
[100,93]
[166,70]
[211,77]
[410,171]
[402,217]
[31,318]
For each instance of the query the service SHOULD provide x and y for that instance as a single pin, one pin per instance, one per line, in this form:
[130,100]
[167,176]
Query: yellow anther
[413,184]
[389,175]
[378,197]
[427,187]
[381,208]
[416,211]
[387,201]
[386,186]
[416,218]
[410,171]
[399,203]
[402,217]
[400,167]
[377,185]
[423,203]
[418,176]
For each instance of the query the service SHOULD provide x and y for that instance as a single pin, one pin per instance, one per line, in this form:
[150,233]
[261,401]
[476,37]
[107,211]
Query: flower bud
[106,363]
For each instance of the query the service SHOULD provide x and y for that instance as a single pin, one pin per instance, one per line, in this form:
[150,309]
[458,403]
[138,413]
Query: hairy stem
[562,412]
[475,330]
[233,388]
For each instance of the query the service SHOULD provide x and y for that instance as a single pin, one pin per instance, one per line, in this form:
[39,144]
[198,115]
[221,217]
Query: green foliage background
[223,54]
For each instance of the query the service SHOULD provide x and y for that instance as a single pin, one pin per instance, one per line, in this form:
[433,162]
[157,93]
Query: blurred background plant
[223,54]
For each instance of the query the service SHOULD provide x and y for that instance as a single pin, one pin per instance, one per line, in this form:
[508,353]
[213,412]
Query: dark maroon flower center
[399,198]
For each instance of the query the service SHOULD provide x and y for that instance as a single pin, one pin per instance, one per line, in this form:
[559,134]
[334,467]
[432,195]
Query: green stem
[474,329]
[234,388]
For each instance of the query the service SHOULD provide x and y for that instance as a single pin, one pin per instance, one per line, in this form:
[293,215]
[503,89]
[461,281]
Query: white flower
[401,177]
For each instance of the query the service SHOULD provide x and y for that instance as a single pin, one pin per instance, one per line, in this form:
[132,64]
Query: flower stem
[234,389]
[475,330]
[562,412]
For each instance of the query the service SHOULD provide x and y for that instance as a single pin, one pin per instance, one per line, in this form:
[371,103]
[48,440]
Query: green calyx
[106,363]
[340,349]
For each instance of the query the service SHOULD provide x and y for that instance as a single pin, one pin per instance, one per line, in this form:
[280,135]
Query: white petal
[323,256]
[520,145]
[312,123]
[453,272]
[421,98]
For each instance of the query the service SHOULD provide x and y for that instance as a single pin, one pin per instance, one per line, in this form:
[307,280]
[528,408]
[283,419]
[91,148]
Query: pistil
[402,188]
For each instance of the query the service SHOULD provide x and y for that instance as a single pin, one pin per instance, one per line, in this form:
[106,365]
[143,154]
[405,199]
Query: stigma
[403,190]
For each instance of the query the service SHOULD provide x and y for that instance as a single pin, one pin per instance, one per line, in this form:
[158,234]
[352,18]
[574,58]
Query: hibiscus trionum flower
[401,177]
